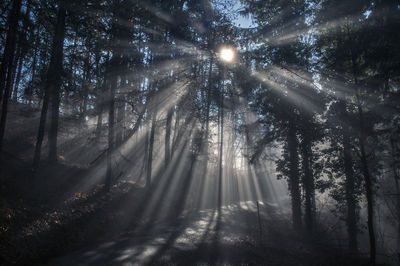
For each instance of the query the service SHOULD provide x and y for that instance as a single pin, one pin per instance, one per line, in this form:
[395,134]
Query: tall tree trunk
[40,135]
[308,181]
[351,219]
[184,187]
[294,175]
[100,100]
[100,107]
[176,132]
[111,114]
[168,136]
[350,193]
[221,150]
[7,64]
[368,188]
[45,56]
[57,57]
[14,70]
[150,154]
[11,40]
[23,50]
[18,77]
[249,146]
[364,165]
[122,118]
[53,80]
[85,88]
[204,140]
[44,61]
[208,107]
[121,112]
[146,149]
[396,165]
[28,94]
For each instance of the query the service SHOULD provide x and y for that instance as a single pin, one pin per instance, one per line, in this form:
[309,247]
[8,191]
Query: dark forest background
[124,113]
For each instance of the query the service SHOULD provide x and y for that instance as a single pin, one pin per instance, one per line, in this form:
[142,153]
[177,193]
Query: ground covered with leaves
[36,224]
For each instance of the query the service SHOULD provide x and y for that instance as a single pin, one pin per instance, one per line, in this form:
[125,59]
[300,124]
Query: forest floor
[48,219]
[228,236]
[96,228]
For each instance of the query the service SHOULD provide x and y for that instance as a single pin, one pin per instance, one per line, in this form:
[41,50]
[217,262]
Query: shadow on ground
[229,236]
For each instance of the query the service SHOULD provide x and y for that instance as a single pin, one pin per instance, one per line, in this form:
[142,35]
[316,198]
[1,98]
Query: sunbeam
[163,132]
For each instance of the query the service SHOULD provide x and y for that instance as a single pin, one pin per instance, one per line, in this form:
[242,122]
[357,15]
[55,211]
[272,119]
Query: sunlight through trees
[167,133]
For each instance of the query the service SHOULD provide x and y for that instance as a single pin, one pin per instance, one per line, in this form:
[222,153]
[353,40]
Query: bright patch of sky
[232,9]
[367,13]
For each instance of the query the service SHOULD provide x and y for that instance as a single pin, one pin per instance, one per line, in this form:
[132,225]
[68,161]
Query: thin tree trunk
[122,118]
[349,185]
[100,101]
[221,147]
[53,80]
[57,57]
[43,62]
[294,175]
[184,187]
[368,188]
[150,154]
[40,136]
[14,70]
[100,107]
[208,109]
[85,88]
[249,145]
[24,49]
[72,69]
[7,65]
[309,215]
[8,53]
[121,112]
[396,177]
[176,132]
[364,166]
[29,93]
[18,78]
[168,136]
[146,149]
[111,113]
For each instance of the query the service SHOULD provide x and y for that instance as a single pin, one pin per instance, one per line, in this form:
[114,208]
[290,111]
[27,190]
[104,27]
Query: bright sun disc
[227,54]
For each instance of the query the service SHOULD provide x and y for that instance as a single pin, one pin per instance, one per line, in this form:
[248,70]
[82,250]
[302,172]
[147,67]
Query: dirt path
[228,236]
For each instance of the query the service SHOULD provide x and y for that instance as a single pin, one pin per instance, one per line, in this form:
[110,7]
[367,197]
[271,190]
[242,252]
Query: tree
[55,80]
[51,91]
[7,64]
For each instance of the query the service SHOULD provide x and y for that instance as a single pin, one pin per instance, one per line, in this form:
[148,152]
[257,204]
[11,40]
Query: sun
[227,54]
